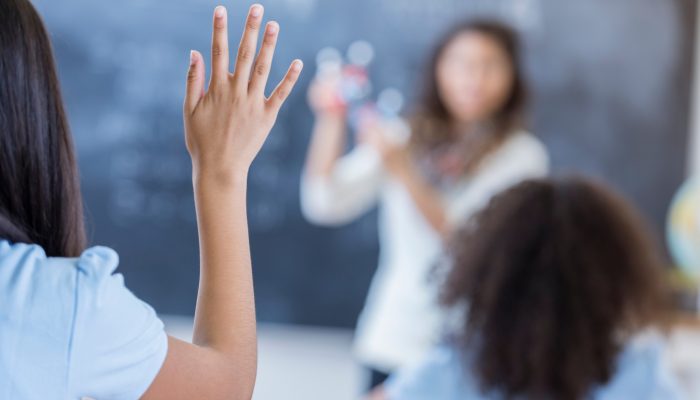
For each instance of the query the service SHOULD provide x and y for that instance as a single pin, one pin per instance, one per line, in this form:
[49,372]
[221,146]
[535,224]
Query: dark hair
[432,124]
[556,276]
[40,199]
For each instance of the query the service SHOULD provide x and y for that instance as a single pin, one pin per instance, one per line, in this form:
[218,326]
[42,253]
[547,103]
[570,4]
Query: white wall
[694,158]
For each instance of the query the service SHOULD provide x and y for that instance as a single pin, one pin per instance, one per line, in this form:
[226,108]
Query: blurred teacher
[467,144]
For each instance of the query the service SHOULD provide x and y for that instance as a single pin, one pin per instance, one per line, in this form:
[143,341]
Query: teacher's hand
[324,97]
[385,138]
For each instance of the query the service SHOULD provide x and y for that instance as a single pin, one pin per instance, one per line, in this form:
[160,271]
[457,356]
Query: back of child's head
[557,275]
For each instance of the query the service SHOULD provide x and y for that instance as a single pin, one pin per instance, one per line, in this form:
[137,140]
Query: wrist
[332,117]
[401,173]
[398,165]
[234,178]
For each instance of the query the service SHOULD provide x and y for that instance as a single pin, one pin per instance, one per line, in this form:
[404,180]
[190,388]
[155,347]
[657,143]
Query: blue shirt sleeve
[118,344]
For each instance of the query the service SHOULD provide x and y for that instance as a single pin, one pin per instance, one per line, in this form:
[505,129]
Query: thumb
[195,82]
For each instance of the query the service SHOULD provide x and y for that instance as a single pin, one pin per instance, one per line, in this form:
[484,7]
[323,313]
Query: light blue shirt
[69,328]
[642,373]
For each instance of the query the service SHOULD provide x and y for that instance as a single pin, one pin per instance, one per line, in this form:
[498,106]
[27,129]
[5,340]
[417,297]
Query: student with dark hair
[562,296]
[467,143]
[69,328]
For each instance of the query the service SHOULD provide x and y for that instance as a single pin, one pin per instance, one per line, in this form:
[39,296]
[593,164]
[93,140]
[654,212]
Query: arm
[522,157]
[517,161]
[397,162]
[329,132]
[336,189]
[426,199]
[224,130]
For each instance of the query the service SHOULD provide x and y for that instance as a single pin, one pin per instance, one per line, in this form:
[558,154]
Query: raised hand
[226,125]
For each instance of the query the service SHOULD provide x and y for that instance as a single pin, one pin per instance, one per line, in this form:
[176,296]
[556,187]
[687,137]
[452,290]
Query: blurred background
[611,97]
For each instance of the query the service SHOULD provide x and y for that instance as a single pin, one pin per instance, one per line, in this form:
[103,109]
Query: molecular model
[352,89]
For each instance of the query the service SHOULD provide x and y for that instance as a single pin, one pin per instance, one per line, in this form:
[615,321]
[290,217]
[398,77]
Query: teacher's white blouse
[401,320]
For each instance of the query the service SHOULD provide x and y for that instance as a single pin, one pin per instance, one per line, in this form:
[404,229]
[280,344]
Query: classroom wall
[610,99]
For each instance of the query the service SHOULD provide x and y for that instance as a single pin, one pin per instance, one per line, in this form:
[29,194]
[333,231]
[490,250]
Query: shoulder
[442,374]
[102,291]
[95,262]
[96,269]
[27,274]
[87,309]
[98,261]
[643,368]
[102,301]
[110,319]
[521,155]
[525,144]
[647,348]
[15,256]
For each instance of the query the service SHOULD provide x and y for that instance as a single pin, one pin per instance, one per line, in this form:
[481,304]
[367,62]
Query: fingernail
[193,57]
[272,28]
[256,10]
[219,11]
[297,65]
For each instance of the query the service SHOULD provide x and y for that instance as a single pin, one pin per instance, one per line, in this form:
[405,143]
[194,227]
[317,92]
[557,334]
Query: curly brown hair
[555,275]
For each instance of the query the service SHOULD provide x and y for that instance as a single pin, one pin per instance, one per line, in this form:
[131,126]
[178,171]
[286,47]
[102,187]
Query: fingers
[262,66]
[280,94]
[219,46]
[195,82]
[244,61]
[246,50]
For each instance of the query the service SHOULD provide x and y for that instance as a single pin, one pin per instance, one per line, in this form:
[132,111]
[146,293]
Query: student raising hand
[103,341]
[225,127]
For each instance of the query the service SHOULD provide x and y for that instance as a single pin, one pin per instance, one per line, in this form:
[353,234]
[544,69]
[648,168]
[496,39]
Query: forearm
[327,145]
[426,199]
[225,312]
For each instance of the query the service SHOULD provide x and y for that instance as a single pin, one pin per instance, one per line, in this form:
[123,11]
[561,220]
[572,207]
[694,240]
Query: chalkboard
[610,83]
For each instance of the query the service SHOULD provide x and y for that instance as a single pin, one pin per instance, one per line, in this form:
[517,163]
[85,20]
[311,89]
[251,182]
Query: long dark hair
[557,275]
[433,126]
[40,200]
